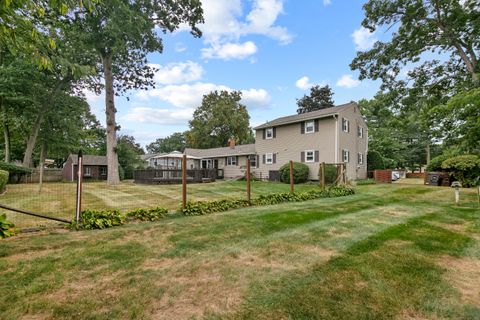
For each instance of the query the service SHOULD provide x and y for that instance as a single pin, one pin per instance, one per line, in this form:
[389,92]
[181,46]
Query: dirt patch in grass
[194,295]
[464,275]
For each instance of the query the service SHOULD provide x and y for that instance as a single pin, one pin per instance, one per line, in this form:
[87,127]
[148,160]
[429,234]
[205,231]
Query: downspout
[336,138]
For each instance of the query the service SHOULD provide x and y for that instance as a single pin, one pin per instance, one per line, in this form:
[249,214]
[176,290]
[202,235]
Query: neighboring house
[172,160]
[231,161]
[94,167]
[332,135]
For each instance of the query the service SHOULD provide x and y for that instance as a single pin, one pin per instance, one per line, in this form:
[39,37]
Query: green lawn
[388,252]
[58,199]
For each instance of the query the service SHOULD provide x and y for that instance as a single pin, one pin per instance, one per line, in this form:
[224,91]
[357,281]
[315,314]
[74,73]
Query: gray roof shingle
[240,150]
[306,116]
[90,160]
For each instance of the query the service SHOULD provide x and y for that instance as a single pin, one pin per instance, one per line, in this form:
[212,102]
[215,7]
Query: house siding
[289,144]
[351,142]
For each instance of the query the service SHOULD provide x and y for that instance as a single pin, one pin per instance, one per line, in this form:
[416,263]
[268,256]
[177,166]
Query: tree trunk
[41,165]
[427,150]
[32,139]
[6,131]
[110,111]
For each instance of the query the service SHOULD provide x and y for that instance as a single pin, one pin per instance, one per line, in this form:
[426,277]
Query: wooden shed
[94,167]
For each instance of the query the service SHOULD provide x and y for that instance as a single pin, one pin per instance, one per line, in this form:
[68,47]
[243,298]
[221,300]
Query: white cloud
[229,51]
[190,95]
[347,81]
[327,2]
[178,72]
[224,25]
[254,98]
[159,115]
[303,83]
[363,39]
[180,47]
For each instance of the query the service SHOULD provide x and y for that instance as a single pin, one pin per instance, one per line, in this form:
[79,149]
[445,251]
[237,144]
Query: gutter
[336,137]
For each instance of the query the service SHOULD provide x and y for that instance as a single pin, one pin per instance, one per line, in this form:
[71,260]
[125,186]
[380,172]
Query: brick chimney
[231,143]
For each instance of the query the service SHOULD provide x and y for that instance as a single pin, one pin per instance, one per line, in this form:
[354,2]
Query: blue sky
[271,50]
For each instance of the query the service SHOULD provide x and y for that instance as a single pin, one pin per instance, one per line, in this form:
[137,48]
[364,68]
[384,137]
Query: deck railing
[169,176]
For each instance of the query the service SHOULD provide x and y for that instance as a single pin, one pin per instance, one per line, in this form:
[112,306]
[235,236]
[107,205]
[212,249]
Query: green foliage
[6,228]
[197,208]
[319,98]
[330,173]
[220,117]
[174,142]
[465,169]
[154,214]
[300,172]
[92,219]
[376,161]
[13,169]
[129,153]
[436,163]
[364,182]
[3,180]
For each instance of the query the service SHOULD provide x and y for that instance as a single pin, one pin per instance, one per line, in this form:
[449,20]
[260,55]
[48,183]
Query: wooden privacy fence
[170,176]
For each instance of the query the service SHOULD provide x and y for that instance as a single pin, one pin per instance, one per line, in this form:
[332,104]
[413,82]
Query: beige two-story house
[332,135]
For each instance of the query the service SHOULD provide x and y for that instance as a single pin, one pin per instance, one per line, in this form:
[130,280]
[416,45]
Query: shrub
[300,173]
[330,173]
[92,219]
[6,227]
[3,180]
[154,214]
[13,169]
[205,207]
[465,169]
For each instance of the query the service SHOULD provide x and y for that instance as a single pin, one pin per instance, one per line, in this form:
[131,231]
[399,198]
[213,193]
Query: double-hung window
[360,132]
[269,133]
[231,161]
[309,126]
[87,171]
[346,155]
[253,161]
[345,125]
[360,158]
[269,158]
[103,171]
[309,156]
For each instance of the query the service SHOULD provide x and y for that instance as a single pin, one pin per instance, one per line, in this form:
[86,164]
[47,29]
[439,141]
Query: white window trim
[310,124]
[87,171]
[306,155]
[360,158]
[271,133]
[360,132]
[346,155]
[268,158]
[103,171]
[345,125]
[231,161]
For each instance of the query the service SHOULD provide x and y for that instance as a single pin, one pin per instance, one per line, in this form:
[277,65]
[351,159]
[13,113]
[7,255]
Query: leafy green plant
[6,227]
[197,208]
[3,180]
[465,169]
[92,219]
[154,214]
[13,169]
[300,172]
[330,173]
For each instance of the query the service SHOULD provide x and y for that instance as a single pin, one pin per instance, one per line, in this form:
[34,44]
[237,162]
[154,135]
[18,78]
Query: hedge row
[196,208]
[3,180]
[13,169]
[101,219]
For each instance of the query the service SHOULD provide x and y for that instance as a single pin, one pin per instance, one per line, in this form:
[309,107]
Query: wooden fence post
[322,172]
[79,187]
[184,181]
[291,177]
[249,195]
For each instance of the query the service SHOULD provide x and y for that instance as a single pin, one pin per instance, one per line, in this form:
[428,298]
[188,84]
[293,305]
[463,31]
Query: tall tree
[129,155]
[121,33]
[174,142]
[319,98]
[450,28]
[220,117]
